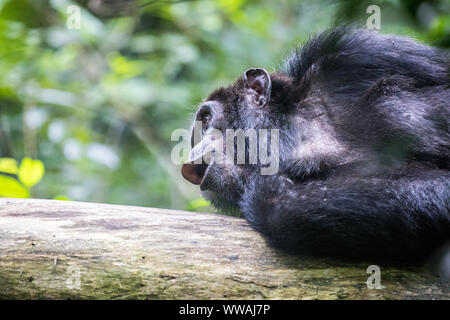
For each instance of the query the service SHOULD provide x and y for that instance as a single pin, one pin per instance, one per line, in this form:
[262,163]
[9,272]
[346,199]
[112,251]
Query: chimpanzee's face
[248,132]
[277,136]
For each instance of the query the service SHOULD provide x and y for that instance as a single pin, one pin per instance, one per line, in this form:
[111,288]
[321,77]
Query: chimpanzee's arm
[393,219]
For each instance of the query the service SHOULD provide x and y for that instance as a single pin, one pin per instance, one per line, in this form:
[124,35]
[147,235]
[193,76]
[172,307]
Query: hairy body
[364,148]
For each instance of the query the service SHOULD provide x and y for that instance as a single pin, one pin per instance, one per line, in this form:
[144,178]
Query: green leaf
[31,171]
[61,197]
[197,203]
[8,165]
[11,188]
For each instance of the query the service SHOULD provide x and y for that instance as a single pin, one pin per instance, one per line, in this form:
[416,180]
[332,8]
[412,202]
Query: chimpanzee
[364,148]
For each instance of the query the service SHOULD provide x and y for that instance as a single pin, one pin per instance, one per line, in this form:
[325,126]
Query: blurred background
[87,114]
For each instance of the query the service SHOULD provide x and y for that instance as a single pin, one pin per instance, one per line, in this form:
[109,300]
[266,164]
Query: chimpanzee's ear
[257,86]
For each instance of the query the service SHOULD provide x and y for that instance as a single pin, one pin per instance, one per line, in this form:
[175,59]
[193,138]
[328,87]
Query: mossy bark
[60,250]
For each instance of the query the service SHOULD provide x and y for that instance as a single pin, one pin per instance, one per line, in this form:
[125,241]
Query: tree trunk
[58,249]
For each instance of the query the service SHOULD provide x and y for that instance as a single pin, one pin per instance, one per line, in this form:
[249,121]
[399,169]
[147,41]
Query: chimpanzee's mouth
[194,173]
[195,169]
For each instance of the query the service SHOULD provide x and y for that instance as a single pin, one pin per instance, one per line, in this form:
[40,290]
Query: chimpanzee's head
[258,100]
[246,104]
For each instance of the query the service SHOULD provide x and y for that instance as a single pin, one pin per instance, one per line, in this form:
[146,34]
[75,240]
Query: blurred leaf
[33,13]
[61,197]
[31,171]
[9,102]
[121,66]
[10,187]
[8,165]
[197,203]
[440,31]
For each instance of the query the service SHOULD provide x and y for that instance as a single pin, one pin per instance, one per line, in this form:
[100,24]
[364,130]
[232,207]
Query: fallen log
[72,250]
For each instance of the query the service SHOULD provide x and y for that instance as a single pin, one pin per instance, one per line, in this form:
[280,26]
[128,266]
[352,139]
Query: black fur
[364,149]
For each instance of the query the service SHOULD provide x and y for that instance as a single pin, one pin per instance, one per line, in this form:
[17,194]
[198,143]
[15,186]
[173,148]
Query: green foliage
[11,188]
[29,173]
[60,197]
[8,165]
[197,204]
[98,105]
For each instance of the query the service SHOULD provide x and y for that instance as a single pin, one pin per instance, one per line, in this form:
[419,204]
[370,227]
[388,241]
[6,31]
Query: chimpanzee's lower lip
[193,172]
